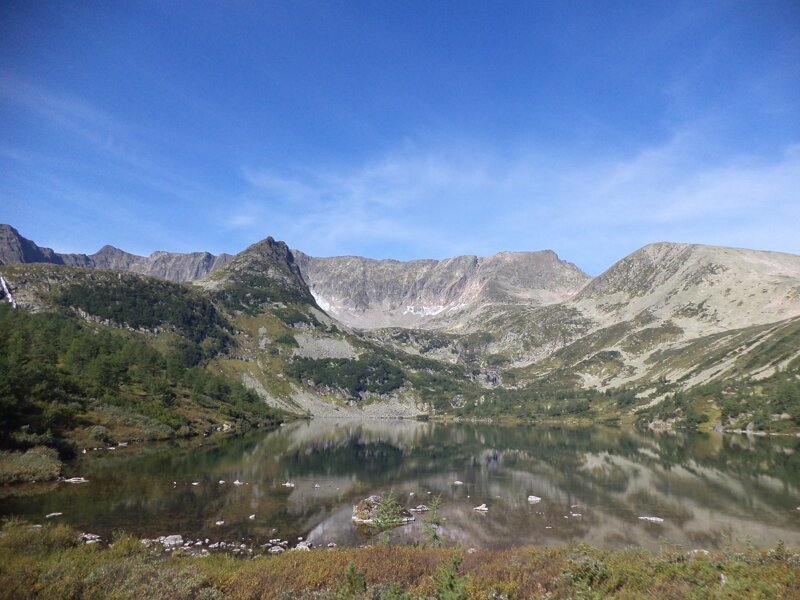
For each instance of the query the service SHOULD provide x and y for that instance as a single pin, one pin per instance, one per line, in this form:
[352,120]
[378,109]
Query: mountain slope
[512,334]
[98,357]
[368,293]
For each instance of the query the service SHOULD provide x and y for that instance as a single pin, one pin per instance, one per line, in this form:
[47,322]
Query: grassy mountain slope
[300,359]
[99,357]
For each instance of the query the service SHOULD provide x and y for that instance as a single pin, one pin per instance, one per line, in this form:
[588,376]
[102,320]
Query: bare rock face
[172,266]
[368,293]
[16,249]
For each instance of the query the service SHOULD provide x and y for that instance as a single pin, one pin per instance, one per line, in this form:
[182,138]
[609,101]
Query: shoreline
[54,561]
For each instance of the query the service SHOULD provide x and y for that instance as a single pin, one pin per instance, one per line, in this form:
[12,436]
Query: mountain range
[525,333]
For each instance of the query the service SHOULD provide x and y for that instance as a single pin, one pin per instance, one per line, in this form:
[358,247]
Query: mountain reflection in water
[595,483]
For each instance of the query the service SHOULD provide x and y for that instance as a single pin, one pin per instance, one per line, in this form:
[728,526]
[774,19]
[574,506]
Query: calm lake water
[708,489]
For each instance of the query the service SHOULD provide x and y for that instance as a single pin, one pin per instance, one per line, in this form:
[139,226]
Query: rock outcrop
[172,266]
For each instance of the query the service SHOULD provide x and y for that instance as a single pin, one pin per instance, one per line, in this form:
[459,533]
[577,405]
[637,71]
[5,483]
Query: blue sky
[401,129]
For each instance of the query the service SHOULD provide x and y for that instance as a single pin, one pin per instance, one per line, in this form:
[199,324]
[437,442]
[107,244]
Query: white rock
[76,480]
[481,508]
[51,515]
[221,481]
[220,523]
[276,550]
[288,484]
[172,540]
[534,499]
[195,483]
[237,482]
[251,517]
[457,482]
[652,519]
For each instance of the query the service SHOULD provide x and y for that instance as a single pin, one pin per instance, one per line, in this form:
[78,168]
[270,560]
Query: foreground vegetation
[51,562]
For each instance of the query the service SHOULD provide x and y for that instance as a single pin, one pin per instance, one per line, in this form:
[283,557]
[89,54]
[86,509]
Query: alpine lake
[303,479]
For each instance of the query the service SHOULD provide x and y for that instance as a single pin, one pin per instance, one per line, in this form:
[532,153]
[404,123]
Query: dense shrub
[37,464]
[150,304]
[353,376]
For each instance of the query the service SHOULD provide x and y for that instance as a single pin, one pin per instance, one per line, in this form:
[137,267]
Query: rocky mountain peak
[371,293]
[14,248]
[172,266]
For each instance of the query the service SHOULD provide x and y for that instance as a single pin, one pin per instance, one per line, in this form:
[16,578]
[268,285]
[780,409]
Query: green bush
[37,464]
[353,376]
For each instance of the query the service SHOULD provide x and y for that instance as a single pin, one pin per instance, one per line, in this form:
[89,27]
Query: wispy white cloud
[125,149]
[453,200]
